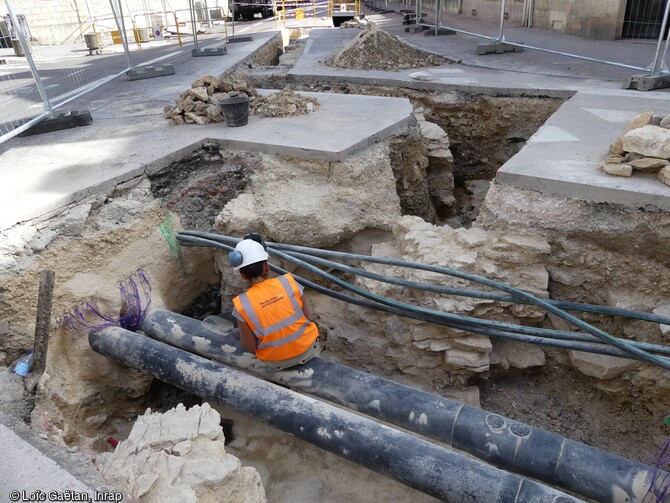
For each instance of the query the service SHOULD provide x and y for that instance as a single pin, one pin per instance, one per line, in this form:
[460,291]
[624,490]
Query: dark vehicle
[247,9]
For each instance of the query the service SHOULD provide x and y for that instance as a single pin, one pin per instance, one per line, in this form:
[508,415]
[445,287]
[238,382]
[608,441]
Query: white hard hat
[249,251]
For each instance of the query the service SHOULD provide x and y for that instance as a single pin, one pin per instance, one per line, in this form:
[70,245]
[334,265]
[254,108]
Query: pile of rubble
[284,103]
[374,49]
[644,147]
[180,456]
[200,103]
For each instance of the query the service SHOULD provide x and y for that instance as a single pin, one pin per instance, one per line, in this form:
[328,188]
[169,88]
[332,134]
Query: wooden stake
[43,321]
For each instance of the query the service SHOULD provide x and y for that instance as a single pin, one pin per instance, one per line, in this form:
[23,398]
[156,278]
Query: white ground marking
[612,115]
[552,134]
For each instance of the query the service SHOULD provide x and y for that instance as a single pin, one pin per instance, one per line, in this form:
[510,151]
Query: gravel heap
[284,103]
[374,49]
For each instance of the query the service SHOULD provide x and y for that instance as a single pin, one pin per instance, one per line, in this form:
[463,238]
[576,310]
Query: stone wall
[600,254]
[597,19]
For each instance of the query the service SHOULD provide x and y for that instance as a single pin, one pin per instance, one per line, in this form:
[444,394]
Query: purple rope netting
[136,297]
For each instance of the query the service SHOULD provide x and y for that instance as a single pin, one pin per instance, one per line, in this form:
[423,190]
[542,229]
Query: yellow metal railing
[296,8]
[337,6]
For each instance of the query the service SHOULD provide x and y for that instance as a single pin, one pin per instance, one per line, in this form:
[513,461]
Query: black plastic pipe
[509,444]
[434,470]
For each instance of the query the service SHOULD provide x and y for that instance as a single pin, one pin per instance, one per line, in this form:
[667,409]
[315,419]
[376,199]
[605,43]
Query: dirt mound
[374,49]
[284,103]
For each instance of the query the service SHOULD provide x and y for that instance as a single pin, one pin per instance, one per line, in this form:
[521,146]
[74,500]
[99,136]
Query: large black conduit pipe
[509,444]
[434,470]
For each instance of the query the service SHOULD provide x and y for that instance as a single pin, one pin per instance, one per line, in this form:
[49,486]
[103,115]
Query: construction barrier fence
[44,66]
[648,24]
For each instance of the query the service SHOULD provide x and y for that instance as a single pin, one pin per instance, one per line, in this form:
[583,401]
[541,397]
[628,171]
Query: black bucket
[235,110]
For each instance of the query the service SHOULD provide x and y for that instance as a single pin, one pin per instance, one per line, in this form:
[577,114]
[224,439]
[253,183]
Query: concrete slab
[35,477]
[563,156]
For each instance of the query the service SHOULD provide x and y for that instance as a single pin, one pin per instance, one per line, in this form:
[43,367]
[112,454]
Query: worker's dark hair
[254,270]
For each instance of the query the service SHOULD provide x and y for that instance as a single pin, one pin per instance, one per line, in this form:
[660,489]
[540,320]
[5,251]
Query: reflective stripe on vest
[285,323]
[279,343]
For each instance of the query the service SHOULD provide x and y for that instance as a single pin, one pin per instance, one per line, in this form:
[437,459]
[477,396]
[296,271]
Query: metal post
[207,16]
[438,15]
[656,65]
[29,58]
[193,27]
[122,30]
[501,37]
[90,16]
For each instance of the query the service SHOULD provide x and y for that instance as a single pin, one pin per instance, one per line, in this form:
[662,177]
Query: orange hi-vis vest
[273,311]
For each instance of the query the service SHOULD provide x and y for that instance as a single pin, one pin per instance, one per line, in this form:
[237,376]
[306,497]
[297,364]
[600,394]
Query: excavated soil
[198,187]
[374,49]
[284,103]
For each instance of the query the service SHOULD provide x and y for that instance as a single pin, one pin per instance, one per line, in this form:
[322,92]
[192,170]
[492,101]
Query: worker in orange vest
[273,317]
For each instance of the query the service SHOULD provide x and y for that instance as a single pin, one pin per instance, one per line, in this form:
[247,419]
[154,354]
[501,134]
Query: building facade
[593,19]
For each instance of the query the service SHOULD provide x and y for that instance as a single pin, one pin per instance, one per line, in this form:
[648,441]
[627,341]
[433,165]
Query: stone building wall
[595,19]
[489,10]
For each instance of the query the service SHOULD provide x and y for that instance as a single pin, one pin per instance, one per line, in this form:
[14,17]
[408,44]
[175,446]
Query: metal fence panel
[107,38]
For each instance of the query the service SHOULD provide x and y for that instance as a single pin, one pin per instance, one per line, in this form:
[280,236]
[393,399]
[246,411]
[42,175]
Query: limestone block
[664,175]
[210,80]
[477,343]
[180,456]
[627,300]
[197,118]
[660,311]
[660,378]
[201,108]
[650,141]
[643,119]
[601,366]
[224,87]
[199,93]
[648,164]
[187,104]
[8,265]
[472,360]
[318,208]
[214,113]
[216,97]
[616,169]
[665,122]
[510,354]
[616,159]
[15,239]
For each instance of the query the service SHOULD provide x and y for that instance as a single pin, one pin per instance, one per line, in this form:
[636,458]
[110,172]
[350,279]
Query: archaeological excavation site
[487,267]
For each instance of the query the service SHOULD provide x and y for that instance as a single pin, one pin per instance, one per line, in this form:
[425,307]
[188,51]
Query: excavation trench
[415,196]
